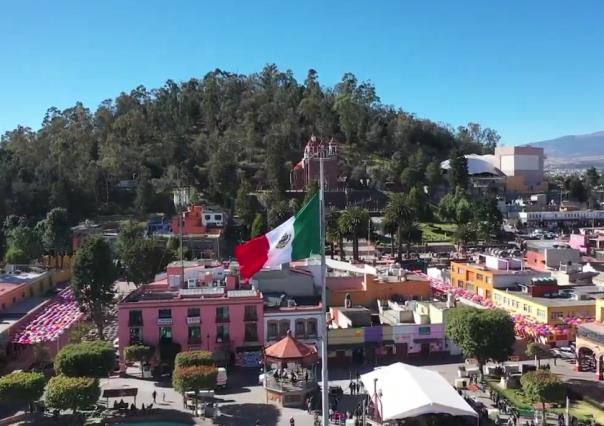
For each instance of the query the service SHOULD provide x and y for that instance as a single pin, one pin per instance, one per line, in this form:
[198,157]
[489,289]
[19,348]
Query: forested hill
[215,131]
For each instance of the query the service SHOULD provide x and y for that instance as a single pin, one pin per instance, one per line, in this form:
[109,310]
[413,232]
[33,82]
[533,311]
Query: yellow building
[546,310]
[489,274]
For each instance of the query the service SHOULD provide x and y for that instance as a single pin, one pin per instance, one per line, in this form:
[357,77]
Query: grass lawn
[437,232]
[582,410]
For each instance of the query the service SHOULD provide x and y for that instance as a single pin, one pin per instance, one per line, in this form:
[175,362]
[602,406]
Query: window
[222,314]
[251,332]
[311,328]
[271,330]
[195,334]
[250,313]
[193,312]
[222,333]
[460,283]
[540,313]
[135,318]
[218,217]
[165,313]
[165,333]
[283,328]
[489,280]
[556,315]
[480,277]
[423,331]
[300,328]
[136,335]
[208,217]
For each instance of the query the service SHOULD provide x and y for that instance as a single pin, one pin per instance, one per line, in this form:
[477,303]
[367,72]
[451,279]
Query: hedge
[194,358]
[194,378]
[72,393]
[22,387]
[86,359]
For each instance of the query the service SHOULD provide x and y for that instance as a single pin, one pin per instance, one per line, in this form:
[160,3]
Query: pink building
[579,242]
[212,313]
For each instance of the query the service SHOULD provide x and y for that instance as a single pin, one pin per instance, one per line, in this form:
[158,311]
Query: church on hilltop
[307,169]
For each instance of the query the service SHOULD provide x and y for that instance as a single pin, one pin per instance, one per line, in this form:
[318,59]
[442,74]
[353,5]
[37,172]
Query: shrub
[194,358]
[86,359]
[22,387]
[73,393]
[194,378]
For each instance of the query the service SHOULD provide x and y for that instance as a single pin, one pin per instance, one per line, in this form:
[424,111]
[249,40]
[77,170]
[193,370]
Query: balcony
[135,322]
[250,317]
[222,339]
[222,318]
[193,320]
[164,321]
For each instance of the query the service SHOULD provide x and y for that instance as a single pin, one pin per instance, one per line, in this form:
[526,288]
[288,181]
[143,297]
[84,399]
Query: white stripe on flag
[280,242]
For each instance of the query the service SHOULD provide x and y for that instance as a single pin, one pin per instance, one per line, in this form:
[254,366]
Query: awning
[426,392]
[427,340]
[290,349]
[119,393]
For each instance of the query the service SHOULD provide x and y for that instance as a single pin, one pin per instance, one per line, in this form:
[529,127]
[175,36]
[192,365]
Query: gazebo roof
[290,349]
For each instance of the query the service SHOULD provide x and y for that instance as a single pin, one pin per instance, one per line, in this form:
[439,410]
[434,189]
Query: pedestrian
[163,396]
[292,421]
[257,422]
[351,387]
[154,395]
[306,376]
[309,405]
[555,360]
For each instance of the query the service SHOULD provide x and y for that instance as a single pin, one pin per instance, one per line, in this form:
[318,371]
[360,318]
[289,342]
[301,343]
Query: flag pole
[324,373]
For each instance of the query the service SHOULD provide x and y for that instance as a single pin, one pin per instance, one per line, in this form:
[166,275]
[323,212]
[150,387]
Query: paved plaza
[244,401]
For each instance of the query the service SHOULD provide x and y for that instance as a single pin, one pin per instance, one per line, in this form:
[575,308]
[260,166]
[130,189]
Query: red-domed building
[307,170]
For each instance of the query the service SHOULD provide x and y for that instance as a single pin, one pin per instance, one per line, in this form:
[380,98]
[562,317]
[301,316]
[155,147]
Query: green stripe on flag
[307,233]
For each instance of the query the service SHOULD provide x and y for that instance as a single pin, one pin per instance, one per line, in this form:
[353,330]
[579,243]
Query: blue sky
[532,70]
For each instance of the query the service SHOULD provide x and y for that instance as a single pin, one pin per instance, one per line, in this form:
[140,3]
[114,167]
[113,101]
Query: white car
[564,352]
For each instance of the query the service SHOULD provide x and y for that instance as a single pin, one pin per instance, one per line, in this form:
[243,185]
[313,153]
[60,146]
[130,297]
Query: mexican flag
[296,238]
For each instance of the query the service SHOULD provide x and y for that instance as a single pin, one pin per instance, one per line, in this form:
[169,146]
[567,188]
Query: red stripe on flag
[252,255]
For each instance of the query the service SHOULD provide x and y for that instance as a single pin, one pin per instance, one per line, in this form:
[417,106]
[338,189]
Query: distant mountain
[574,151]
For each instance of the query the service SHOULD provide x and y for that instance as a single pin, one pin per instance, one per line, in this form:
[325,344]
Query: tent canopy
[408,391]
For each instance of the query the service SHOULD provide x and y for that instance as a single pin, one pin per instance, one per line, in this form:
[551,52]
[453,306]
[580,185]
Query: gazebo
[291,378]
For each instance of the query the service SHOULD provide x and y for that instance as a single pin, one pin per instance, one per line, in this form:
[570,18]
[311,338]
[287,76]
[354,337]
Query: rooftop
[562,299]
[148,294]
[22,277]
[19,310]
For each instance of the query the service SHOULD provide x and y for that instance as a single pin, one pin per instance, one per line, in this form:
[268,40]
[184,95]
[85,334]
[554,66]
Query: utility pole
[180,210]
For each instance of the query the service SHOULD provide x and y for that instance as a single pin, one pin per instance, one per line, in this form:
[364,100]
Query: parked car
[564,352]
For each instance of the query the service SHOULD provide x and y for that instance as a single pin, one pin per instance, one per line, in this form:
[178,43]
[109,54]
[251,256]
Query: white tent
[408,391]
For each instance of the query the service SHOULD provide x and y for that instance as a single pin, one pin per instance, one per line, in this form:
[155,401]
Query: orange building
[198,220]
[366,289]
[491,272]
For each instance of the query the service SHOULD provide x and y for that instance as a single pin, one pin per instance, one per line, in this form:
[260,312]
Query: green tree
[24,245]
[145,194]
[592,177]
[22,387]
[353,223]
[434,176]
[86,359]
[542,386]
[488,218]
[79,331]
[447,208]
[398,211]
[418,203]
[464,235]
[194,359]
[138,353]
[472,330]
[259,225]
[195,378]
[333,233]
[538,351]
[143,259]
[278,213]
[411,177]
[243,203]
[576,189]
[458,170]
[72,393]
[57,232]
[464,211]
[93,280]
[410,234]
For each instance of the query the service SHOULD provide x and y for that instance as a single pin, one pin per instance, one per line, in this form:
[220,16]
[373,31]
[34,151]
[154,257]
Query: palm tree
[398,212]
[353,222]
[333,234]
[390,228]
[410,233]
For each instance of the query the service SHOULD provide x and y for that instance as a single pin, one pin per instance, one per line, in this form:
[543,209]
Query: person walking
[292,421]
[154,395]
[309,405]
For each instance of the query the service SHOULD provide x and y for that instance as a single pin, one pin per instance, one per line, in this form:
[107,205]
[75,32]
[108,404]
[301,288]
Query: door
[401,351]
[425,349]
